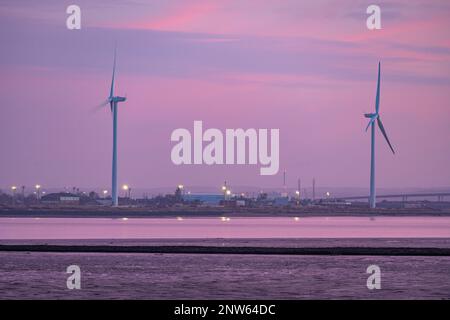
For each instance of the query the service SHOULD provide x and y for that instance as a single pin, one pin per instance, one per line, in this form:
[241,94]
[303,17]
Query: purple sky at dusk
[306,67]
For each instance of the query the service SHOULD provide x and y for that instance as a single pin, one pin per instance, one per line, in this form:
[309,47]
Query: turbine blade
[377,101]
[372,120]
[111,93]
[380,125]
[99,106]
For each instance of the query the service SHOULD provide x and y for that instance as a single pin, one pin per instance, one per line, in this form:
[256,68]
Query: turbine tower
[375,117]
[113,103]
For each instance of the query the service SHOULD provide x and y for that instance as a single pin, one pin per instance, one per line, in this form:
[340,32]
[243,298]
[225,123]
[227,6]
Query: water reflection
[280,227]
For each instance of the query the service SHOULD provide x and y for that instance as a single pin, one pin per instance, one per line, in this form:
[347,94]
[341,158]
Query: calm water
[183,276]
[170,228]
[166,276]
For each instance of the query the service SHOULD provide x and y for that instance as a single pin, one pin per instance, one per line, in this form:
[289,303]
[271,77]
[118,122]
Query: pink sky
[305,67]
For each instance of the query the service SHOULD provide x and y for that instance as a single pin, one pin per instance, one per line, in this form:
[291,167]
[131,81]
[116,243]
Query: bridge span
[404,196]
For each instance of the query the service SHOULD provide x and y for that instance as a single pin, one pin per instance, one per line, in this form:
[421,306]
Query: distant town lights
[38,186]
[13,188]
[125,187]
[105,192]
[180,186]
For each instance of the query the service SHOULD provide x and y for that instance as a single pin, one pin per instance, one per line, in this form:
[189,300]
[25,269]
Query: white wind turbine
[375,117]
[113,103]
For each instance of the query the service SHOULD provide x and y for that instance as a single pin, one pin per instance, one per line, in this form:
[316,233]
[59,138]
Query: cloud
[300,66]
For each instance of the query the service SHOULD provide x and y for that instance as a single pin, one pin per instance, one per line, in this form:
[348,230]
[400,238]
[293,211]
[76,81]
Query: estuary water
[224,227]
[168,276]
[25,275]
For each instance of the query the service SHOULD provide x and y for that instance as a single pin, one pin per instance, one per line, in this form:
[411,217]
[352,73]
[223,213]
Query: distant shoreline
[342,251]
[133,212]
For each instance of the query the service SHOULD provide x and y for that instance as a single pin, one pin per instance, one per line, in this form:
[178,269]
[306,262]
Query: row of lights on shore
[37,187]
[226,190]
[14,188]
[127,189]
[297,193]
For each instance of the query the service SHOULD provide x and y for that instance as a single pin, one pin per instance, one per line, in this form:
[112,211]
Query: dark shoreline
[342,251]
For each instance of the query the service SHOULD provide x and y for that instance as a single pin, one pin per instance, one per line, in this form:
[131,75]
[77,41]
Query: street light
[105,192]
[224,190]
[181,188]
[14,188]
[126,188]
[38,192]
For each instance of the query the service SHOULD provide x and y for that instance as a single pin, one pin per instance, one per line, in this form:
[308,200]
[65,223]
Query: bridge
[404,196]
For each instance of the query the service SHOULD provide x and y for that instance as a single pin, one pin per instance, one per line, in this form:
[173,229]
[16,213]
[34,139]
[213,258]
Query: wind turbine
[113,103]
[375,117]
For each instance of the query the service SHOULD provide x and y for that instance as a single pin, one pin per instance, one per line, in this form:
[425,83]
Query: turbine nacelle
[117,99]
[371,115]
